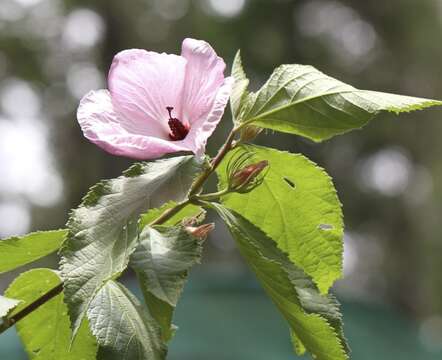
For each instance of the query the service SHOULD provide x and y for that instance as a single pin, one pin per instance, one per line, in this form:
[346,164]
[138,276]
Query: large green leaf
[297,206]
[299,99]
[21,250]
[46,332]
[314,319]
[103,230]
[124,329]
[162,260]
[6,305]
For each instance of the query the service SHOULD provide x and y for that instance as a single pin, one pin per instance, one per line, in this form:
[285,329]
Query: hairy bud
[247,178]
[200,232]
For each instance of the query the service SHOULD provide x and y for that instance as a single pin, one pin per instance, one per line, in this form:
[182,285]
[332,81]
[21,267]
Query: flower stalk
[228,145]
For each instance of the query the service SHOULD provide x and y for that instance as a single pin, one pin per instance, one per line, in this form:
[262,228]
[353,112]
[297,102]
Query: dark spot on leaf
[289,182]
[325,226]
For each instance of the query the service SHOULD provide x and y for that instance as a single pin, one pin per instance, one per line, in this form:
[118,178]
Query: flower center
[178,131]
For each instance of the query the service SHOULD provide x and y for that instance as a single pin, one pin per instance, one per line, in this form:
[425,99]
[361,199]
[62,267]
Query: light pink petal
[204,76]
[102,126]
[205,125]
[142,84]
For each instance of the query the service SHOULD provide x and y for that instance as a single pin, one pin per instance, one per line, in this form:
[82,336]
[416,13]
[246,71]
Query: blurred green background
[388,176]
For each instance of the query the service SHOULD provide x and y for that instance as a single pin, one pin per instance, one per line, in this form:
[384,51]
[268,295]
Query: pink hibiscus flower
[157,103]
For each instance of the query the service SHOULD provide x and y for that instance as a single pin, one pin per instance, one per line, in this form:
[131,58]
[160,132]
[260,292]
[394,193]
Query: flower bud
[247,178]
[200,232]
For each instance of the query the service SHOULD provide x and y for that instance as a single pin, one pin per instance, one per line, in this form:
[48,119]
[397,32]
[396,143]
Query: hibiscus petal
[201,130]
[101,125]
[204,77]
[142,84]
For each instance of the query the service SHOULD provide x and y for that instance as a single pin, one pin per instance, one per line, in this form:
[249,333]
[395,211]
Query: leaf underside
[239,90]
[124,328]
[162,260]
[103,231]
[314,319]
[7,305]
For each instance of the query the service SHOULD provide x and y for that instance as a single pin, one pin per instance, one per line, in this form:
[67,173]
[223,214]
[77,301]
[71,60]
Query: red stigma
[178,131]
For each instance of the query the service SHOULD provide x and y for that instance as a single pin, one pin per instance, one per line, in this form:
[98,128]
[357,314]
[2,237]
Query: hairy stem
[228,145]
[166,215]
[210,196]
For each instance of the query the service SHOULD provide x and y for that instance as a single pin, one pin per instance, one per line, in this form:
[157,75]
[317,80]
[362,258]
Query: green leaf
[124,329]
[163,257]
[46,332]
[315,320]
[162,260]
[161,310]
[299,99]
[239,90]
[297,206]
[21,250]
[6,305]
[103,230]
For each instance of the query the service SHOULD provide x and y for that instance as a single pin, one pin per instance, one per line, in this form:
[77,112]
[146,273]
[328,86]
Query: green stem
[210,196]
[228,145]
[166,215]
[8,322]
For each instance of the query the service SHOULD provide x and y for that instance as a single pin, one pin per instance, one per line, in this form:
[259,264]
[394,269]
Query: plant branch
[8,322]
[228,145]
[167,214]
[210,196]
